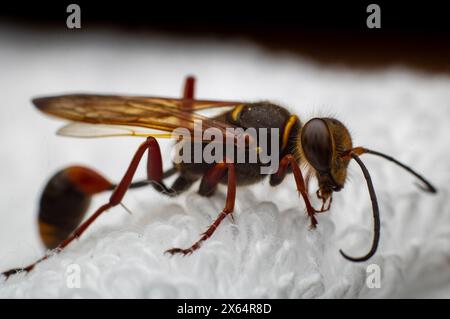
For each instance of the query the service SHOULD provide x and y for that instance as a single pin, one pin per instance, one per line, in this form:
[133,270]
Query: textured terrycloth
[269,250]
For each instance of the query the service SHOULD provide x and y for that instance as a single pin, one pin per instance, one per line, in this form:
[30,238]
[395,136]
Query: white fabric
[269,251]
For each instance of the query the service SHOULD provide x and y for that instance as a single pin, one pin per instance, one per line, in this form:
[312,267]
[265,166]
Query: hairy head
[323,142]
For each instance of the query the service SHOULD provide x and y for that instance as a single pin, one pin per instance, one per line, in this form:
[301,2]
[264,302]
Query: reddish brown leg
[212,177]
[154,172]
[188,92]
[278,177]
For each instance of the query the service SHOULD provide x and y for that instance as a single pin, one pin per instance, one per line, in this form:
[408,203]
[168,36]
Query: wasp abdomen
[65,201]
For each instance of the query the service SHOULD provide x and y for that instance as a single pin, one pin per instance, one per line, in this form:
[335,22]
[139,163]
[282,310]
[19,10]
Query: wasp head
[324,141]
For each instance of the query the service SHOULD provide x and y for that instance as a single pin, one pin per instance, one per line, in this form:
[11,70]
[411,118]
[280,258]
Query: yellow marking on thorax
[236,112]
[287,130]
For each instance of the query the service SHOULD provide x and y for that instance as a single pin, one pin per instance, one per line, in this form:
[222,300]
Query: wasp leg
[154,172]
[278,177]
[212,178]
[181,184]
[188,92]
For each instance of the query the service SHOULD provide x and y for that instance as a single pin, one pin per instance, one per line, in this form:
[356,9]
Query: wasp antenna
[429,188]
[376,214]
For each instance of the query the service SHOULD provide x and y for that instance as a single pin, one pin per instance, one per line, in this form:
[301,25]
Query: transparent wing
[86,130]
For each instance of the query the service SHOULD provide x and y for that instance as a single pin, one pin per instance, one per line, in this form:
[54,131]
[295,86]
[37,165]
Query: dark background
[415,34]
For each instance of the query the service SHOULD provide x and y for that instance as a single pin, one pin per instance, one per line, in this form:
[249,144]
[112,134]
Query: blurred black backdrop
[415,34]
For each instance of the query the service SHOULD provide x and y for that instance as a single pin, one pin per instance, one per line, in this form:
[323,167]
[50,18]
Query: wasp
[320,148]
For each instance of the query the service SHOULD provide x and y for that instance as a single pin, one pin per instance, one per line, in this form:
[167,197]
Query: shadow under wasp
[321,145]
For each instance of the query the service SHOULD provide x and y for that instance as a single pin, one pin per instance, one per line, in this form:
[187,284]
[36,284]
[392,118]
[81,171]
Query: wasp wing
[162,114]
[87,130]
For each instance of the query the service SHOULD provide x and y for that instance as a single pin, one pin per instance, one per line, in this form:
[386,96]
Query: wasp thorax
[323,142]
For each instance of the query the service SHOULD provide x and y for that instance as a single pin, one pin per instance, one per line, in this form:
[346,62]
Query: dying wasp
[321,145]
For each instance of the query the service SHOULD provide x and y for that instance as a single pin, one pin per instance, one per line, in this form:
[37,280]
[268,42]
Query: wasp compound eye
[316,144]
[65,201]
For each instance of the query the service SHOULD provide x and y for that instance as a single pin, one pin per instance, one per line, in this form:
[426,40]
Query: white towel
[269,250]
